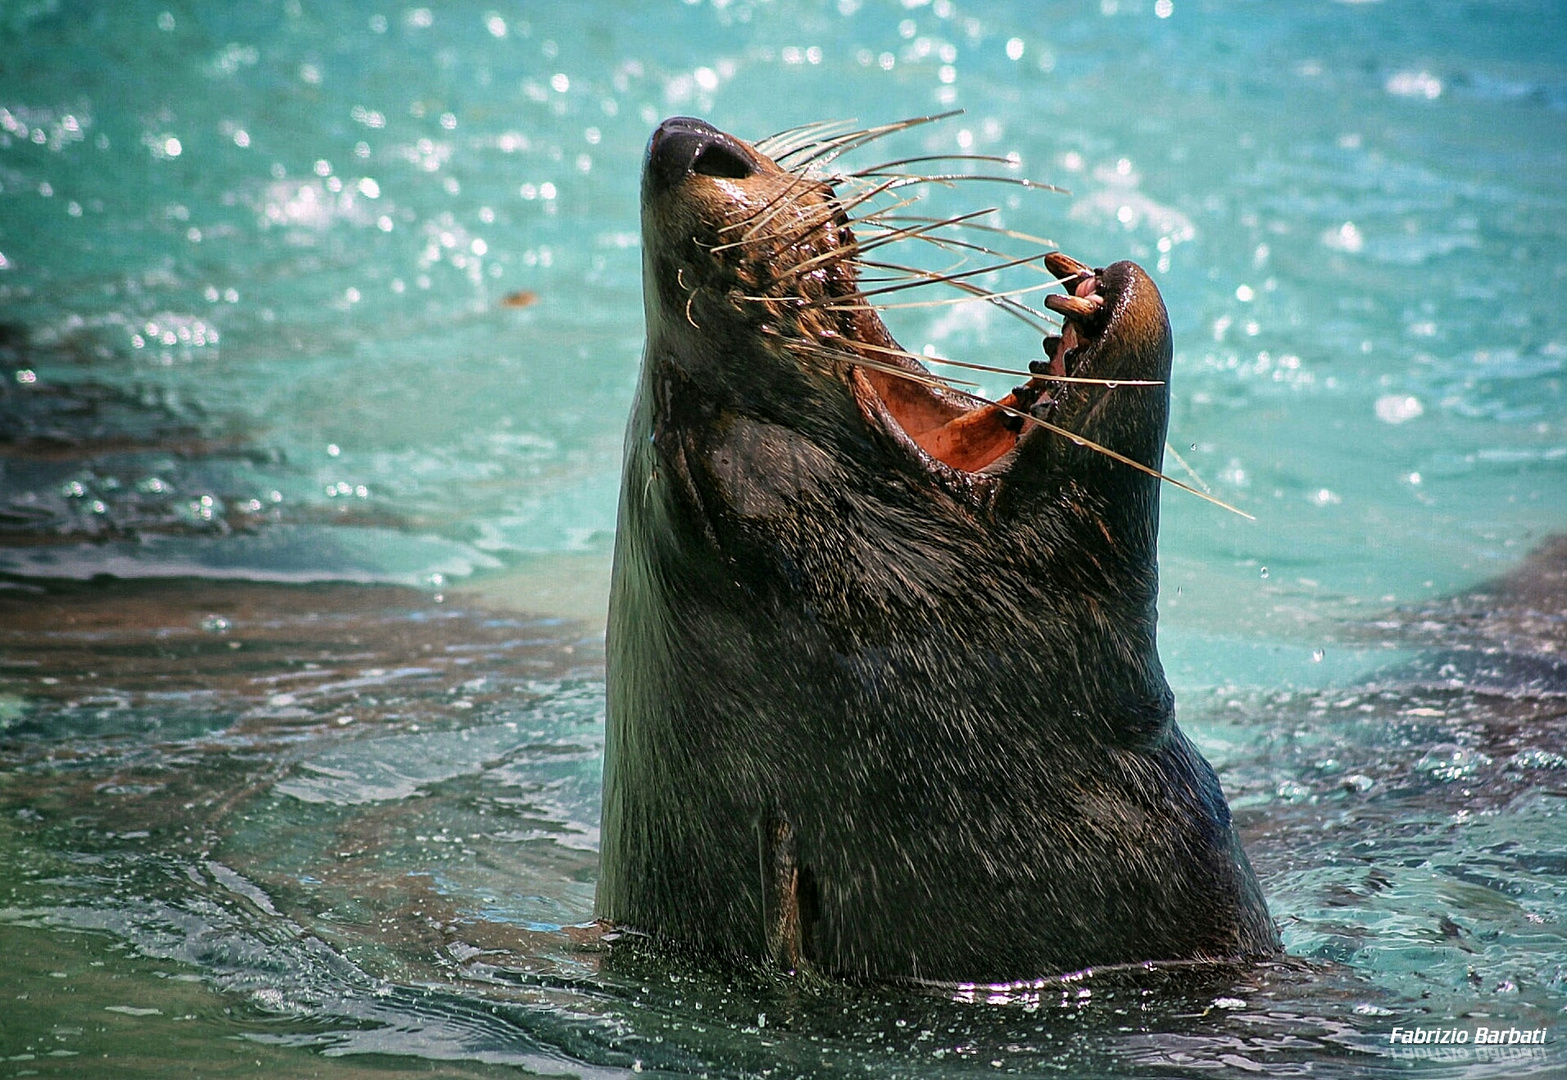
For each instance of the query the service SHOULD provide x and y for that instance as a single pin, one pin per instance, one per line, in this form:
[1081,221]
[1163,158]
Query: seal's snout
[683,145]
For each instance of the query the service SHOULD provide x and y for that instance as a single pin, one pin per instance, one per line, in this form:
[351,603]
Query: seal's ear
[1122,338]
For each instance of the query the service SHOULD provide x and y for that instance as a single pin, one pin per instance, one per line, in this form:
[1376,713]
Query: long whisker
[878,221]
[780,202]
[997,159]
[947,278]
[925,358]
[946,243]
[1176,454]
[1010,233]
[782,198]
[1122,458]
[861,198]
[768,210]
[833,148]
[811,139]
[874,218]
[1055,429]
[950,179]
[841,356]
[899,272]
[839,143]
[823,143]
[781,142]
[1035,320]
[981,294]
[790,232]
[854,251]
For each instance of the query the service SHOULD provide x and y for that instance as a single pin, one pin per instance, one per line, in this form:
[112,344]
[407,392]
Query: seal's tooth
[1064,266]
[1056,348]
[1080,308]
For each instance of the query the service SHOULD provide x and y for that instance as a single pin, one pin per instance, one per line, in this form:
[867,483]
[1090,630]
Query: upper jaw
[1122,335]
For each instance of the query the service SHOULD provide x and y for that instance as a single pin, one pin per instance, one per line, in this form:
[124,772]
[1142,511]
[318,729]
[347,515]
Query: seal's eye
[716,159]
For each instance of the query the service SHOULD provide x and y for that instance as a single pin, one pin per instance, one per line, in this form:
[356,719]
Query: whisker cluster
[858,202]
[807,150]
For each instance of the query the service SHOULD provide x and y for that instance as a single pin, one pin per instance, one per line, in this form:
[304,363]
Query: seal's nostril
[716,159]
[683,145]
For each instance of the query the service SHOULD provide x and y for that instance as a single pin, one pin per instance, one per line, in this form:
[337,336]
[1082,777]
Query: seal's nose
[683,145]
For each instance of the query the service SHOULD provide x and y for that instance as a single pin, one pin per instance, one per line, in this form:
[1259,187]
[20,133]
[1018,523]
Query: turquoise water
[304,527]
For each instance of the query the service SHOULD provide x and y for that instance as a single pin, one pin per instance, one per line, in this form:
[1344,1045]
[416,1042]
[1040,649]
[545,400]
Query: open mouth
[972,434]
[772,237]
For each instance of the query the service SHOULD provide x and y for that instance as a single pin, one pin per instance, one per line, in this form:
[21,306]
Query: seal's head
[738,249]
[884,692]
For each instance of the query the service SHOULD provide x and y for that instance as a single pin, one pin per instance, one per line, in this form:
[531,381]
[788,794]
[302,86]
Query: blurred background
[319,324]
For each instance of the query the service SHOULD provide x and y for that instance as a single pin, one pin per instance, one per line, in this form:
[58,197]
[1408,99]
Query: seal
[884,695]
